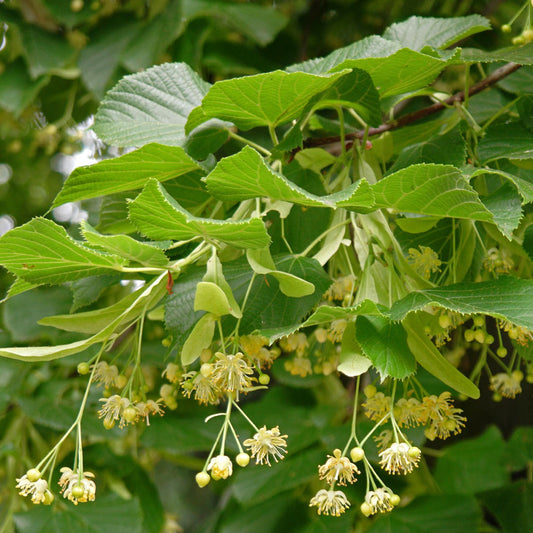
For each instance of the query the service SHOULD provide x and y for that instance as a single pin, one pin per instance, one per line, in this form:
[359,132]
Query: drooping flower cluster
[78,487]
[267,443]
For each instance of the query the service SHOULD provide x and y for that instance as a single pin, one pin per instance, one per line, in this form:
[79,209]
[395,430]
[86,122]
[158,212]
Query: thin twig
[459,97]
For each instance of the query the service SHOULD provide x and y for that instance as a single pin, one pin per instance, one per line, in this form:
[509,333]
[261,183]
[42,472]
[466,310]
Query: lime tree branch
[405,120]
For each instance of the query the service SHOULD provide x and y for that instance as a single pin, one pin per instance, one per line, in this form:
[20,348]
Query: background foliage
[58,61]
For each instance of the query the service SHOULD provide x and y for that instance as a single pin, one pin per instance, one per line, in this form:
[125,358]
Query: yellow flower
[407,412]
[113,409]
[377,406]
[221,467]
[105,373]
[443,418]
[426,261]
[38,489]
[377,501]
[77,487]
[330,502]
[266,443]
[232,373]
[384,439]
[508,385]
[336,330]
[205,391]
[299,366]
[172,372]
[150,407]
[498,261]
[399,458]
[338,469]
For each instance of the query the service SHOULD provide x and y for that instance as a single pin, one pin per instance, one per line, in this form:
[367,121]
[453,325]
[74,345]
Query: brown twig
[493,78]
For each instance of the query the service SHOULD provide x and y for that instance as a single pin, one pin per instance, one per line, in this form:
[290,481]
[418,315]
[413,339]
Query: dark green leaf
[511,141]
[385,344]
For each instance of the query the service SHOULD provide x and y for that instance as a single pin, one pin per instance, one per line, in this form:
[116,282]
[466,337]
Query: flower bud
[242,459]
[357,454]
[33,474]
[203,479]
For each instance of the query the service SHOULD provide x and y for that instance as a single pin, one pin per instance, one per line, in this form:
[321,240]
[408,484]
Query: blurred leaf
[436,514]
[99,60]
[17,89]
[385,344]
[158,216]
[128,172]
[21,313]
[259,482]
[154,37]
[525,109]
[512,506]
[259,23]
[85,291]
[151,106]
[473,465]
[519,451]
[40,251]
[515,54]
[45,52]
[107,514]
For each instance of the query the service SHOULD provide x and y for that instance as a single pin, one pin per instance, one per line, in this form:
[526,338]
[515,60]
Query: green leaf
[506,298]
[262,263]
[351,361]
[17,89]
[326,313]
[40,251]
[402,72]
[523,55]
[435,190]
[257,22]
[87,290]
[268,99]
[215,274]
[356,91]
[158,216]
[113,214]
[506,208]
[199,339]
[474,465]
[418,32]
[246,175]
[372,46]
[436,513]
[146,298]
[93,321]
[45,52]
[525,110]
[18,287]
[511,141]
[449,149]
[520,448]
[385,344]
[124,246]
[523,186]
[432,360]
[151,106]
[128,172]
[211,298]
